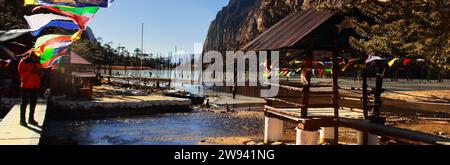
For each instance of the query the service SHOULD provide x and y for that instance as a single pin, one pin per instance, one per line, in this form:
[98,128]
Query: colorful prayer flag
[392,62]
[53,61]
[73,3]
[50,53]
[407,61]
[79,10]
[82,20]
[55,23]
[76,36]
[38,21]
[374,58]
[30,2]
[346,66]
[51,40]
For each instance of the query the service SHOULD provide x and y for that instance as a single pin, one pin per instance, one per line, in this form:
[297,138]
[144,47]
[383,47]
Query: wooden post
[273,130]
[365,96]
[306,137]
[363,137]
[306,89]
[336,94]
[378,91]
[367,139]
[235,79]
[327,135]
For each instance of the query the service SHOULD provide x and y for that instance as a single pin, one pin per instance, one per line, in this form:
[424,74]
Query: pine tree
[400,27]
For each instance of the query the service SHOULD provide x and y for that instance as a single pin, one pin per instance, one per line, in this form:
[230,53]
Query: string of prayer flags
[69,15]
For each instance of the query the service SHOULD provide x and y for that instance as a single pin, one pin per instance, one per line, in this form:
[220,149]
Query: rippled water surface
[163,129]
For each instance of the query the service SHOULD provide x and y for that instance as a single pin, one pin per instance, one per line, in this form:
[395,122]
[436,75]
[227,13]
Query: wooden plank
[321,93]
[285,102]
[11,133]
[294,113]
[382,130]
[290,88]
[139,78]
[315,124]
[321,106]
[289,114]
[299,89]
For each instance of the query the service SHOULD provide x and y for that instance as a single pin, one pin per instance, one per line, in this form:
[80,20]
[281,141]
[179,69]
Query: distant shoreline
[118,67]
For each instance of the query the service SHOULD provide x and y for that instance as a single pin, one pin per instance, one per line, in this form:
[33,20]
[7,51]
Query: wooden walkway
[11,133]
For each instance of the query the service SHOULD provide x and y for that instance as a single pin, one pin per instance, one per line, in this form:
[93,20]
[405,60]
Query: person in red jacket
[30,71]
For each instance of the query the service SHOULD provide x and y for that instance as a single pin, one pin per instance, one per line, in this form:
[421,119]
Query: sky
[167,23]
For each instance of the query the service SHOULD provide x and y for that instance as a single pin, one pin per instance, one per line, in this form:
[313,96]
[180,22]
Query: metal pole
[142,48]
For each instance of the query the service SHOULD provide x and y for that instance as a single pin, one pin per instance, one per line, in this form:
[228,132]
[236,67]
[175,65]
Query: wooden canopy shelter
[309,30]
[289,32]
[312,30]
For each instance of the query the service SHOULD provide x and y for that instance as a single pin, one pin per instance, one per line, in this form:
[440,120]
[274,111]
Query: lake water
[162,129]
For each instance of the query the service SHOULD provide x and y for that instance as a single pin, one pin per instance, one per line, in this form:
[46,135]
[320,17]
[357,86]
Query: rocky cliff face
[243,20]
[224,30]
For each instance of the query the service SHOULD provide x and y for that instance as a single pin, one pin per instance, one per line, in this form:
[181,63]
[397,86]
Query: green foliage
[399,27]
[11,14]
[107,55]
[89,50]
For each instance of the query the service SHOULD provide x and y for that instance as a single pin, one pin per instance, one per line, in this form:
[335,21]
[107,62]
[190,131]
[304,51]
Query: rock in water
[252,143]
[277,143]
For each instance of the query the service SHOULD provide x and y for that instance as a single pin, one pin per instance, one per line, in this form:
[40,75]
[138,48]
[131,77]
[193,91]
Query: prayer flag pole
[142,48]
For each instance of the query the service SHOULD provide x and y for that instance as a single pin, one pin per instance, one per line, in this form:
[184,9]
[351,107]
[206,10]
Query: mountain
[243,20]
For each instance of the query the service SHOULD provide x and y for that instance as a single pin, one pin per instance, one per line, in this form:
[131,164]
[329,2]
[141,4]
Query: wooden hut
[75,77]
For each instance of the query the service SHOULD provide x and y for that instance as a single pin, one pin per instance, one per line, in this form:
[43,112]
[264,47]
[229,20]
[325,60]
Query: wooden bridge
[12,133]
[145,80]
